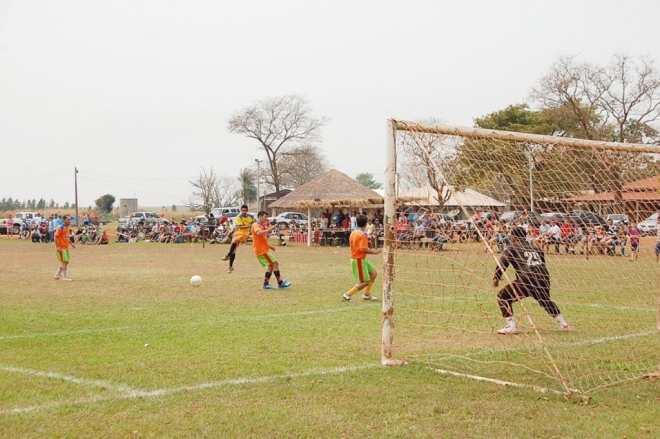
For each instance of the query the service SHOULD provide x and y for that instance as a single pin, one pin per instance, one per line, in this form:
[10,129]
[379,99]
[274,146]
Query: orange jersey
[62,237]
[358,240]
[259,243]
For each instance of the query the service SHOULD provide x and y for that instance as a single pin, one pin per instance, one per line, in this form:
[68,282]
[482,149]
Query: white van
[231,211]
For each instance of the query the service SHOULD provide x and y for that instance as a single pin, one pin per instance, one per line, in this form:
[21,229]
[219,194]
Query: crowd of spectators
[412,227]
[42,230]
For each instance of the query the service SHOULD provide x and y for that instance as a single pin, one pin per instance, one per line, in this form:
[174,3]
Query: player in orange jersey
[264,251]
[62,243]
[364,272]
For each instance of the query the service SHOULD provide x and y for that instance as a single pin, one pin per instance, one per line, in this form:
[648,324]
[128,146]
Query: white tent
[469,198]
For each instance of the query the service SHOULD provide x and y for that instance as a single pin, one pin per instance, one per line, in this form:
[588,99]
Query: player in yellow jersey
[62,244]
[363,271]
[264,251]
[244,223]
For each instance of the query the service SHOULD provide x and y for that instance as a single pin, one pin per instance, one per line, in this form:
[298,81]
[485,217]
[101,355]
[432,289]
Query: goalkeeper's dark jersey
[528,261]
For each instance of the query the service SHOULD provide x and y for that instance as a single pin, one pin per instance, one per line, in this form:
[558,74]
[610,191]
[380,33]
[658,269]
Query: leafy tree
[41,204]
[279,125]
[367,180]
[173,207]
[104,203]
[248,186]
[66,205]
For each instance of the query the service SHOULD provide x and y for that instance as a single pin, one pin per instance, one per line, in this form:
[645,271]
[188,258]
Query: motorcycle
[25,232]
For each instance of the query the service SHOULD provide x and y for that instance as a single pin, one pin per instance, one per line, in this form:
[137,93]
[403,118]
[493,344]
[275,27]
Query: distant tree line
[10,204]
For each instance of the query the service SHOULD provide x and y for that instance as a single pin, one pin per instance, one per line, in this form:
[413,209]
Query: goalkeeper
[532,280]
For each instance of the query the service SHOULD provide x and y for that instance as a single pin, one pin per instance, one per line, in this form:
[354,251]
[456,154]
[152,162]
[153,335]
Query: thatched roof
[332,189]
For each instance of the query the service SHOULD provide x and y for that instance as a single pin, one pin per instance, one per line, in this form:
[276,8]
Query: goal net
[452,197]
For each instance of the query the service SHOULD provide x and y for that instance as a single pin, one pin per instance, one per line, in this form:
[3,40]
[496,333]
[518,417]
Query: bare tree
[618,102]
[227,192]
[212,190]
[427,159]
[301,165]
[279,125]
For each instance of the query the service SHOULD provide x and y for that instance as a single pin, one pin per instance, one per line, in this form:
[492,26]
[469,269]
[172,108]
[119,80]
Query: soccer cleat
[347,298]
[268,287]
[67,279]
[369,297]
[284,284]
[564,328]
[225,258]
[230,269]
[508,330]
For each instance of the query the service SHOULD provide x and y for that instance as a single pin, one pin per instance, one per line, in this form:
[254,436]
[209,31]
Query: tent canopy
[427,196]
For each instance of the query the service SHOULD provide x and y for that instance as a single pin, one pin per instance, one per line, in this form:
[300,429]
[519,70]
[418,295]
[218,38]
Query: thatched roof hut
[332,189]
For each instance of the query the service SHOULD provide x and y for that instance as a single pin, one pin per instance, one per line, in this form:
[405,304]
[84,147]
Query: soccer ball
[196,281]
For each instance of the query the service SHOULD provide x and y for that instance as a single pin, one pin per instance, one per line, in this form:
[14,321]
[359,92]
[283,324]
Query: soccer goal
[440,307]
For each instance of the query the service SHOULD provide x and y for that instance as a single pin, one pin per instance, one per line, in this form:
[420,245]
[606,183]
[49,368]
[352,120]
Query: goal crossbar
[473,133]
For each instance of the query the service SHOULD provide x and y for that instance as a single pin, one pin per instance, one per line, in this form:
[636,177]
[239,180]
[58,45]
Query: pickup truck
[139,218]
[17,222]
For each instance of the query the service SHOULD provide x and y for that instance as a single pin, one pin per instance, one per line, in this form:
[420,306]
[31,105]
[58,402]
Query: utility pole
[75,178]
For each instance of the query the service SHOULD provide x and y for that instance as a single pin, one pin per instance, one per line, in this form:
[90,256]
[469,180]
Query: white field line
[128,393]
[168,325]
[587,342]
[608,339]
[70,379]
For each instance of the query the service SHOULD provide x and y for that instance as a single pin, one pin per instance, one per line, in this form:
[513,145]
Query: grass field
[131,350]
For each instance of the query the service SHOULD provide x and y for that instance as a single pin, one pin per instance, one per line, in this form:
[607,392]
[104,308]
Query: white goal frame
[395,125]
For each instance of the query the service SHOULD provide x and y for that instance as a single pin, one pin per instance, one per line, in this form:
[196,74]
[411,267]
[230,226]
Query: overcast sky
[137,94]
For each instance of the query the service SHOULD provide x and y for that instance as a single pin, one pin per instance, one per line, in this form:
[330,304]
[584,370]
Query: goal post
[437,275]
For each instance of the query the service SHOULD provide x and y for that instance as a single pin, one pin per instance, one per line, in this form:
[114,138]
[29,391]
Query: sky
[136,94]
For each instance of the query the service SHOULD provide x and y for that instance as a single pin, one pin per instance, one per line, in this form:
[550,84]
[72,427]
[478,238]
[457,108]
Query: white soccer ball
[196,281]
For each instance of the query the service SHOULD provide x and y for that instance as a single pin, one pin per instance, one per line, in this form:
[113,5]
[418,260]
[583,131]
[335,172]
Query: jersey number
[533,259]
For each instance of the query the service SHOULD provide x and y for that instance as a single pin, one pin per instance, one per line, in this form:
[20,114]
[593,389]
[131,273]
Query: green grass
[131,350]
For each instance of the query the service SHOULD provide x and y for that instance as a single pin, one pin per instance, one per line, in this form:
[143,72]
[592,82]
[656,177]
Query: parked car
[582,218]
[144,217]
[617,218]
[230,211]
[550,216]
[514,215]
[649,226]
[287,217]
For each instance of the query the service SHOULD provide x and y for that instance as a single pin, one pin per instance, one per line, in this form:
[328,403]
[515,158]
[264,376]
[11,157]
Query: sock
[511,322]
[277,276]
[267,278]
[59,272]
[231,259]
[561,320]
[352,291]
[231,249]
[65,274]
[367,290]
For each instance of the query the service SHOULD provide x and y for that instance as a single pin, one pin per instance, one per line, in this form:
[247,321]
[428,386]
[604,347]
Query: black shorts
[539,290]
